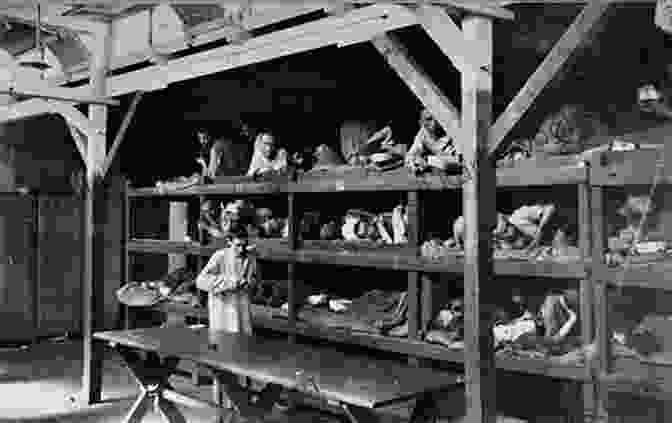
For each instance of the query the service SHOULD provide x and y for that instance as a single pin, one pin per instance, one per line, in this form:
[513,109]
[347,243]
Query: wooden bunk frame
[468,47]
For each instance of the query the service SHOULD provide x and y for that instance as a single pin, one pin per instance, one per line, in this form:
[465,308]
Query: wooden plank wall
[39,154]
[16,263]
[59,284]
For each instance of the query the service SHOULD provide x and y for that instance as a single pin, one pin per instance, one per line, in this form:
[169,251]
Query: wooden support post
[413,209]
[94,214]
[602,330]
[178,229]
[575,35]
[125,256]
[441,28]
[586,301]
[419,83]
[479,211]
[293,221]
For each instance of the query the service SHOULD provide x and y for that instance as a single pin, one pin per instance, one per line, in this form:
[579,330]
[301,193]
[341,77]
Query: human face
[203,137]
[267,145]
[239,246]
[428,122]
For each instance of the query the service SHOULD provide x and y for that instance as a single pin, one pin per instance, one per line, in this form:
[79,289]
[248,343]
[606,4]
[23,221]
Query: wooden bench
[358,384]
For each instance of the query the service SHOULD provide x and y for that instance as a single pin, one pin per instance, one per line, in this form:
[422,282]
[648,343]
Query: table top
[355,379]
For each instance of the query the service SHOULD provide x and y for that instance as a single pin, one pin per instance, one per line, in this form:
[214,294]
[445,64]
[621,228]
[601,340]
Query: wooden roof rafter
[361,23]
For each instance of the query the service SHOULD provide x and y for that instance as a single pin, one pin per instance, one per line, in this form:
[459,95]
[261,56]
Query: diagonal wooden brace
[75,118]
[128,118]
[441,28]
[556,58]
[420,83]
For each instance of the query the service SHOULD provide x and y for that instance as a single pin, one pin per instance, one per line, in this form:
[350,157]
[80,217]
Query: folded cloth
[135,294]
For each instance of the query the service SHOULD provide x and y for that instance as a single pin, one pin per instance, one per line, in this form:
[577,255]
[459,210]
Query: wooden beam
[76,118]
[24,110]
[56,93]
[79,25]
[373,19]
[94,239]
[603,333]
[197,36]
[586,303]
[121,133]
[420,83]
[474,7]
[448,36]
[479,210]
[555,59]
[79,139]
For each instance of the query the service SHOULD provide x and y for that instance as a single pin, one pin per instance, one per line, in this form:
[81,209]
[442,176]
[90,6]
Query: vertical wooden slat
[602,330]
[586,287]
[178,222]
[36,265]
[125,256]
[479,212]
[293,222]
[94,202]
[413,293]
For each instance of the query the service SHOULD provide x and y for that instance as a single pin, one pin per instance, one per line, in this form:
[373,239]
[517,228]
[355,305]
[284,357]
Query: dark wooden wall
[40,291]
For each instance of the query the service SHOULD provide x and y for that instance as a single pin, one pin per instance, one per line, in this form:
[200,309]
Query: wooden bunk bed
[479,138]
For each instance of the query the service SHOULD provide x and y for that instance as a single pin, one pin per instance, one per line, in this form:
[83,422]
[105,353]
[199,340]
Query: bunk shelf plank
[560,171]
[629,168]
[392,258]
[655,275]
[633,376]
[239,188]
[275,320]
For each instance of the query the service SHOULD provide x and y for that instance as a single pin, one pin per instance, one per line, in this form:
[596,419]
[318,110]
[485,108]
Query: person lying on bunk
[431,148]
[522,229]
[267,158]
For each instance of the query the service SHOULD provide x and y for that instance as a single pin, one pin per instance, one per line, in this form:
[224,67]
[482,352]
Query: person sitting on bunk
[431,147]
[267,158]
[522,229]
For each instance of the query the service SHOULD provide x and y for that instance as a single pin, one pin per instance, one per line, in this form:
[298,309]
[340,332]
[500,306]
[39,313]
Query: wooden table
[358,384]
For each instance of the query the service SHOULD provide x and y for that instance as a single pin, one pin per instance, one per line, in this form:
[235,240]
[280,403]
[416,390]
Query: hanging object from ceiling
[39,64]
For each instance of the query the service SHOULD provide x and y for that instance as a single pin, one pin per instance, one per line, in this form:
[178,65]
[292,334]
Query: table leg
[168,411]
[229,386]
[152,376]
[139,409]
